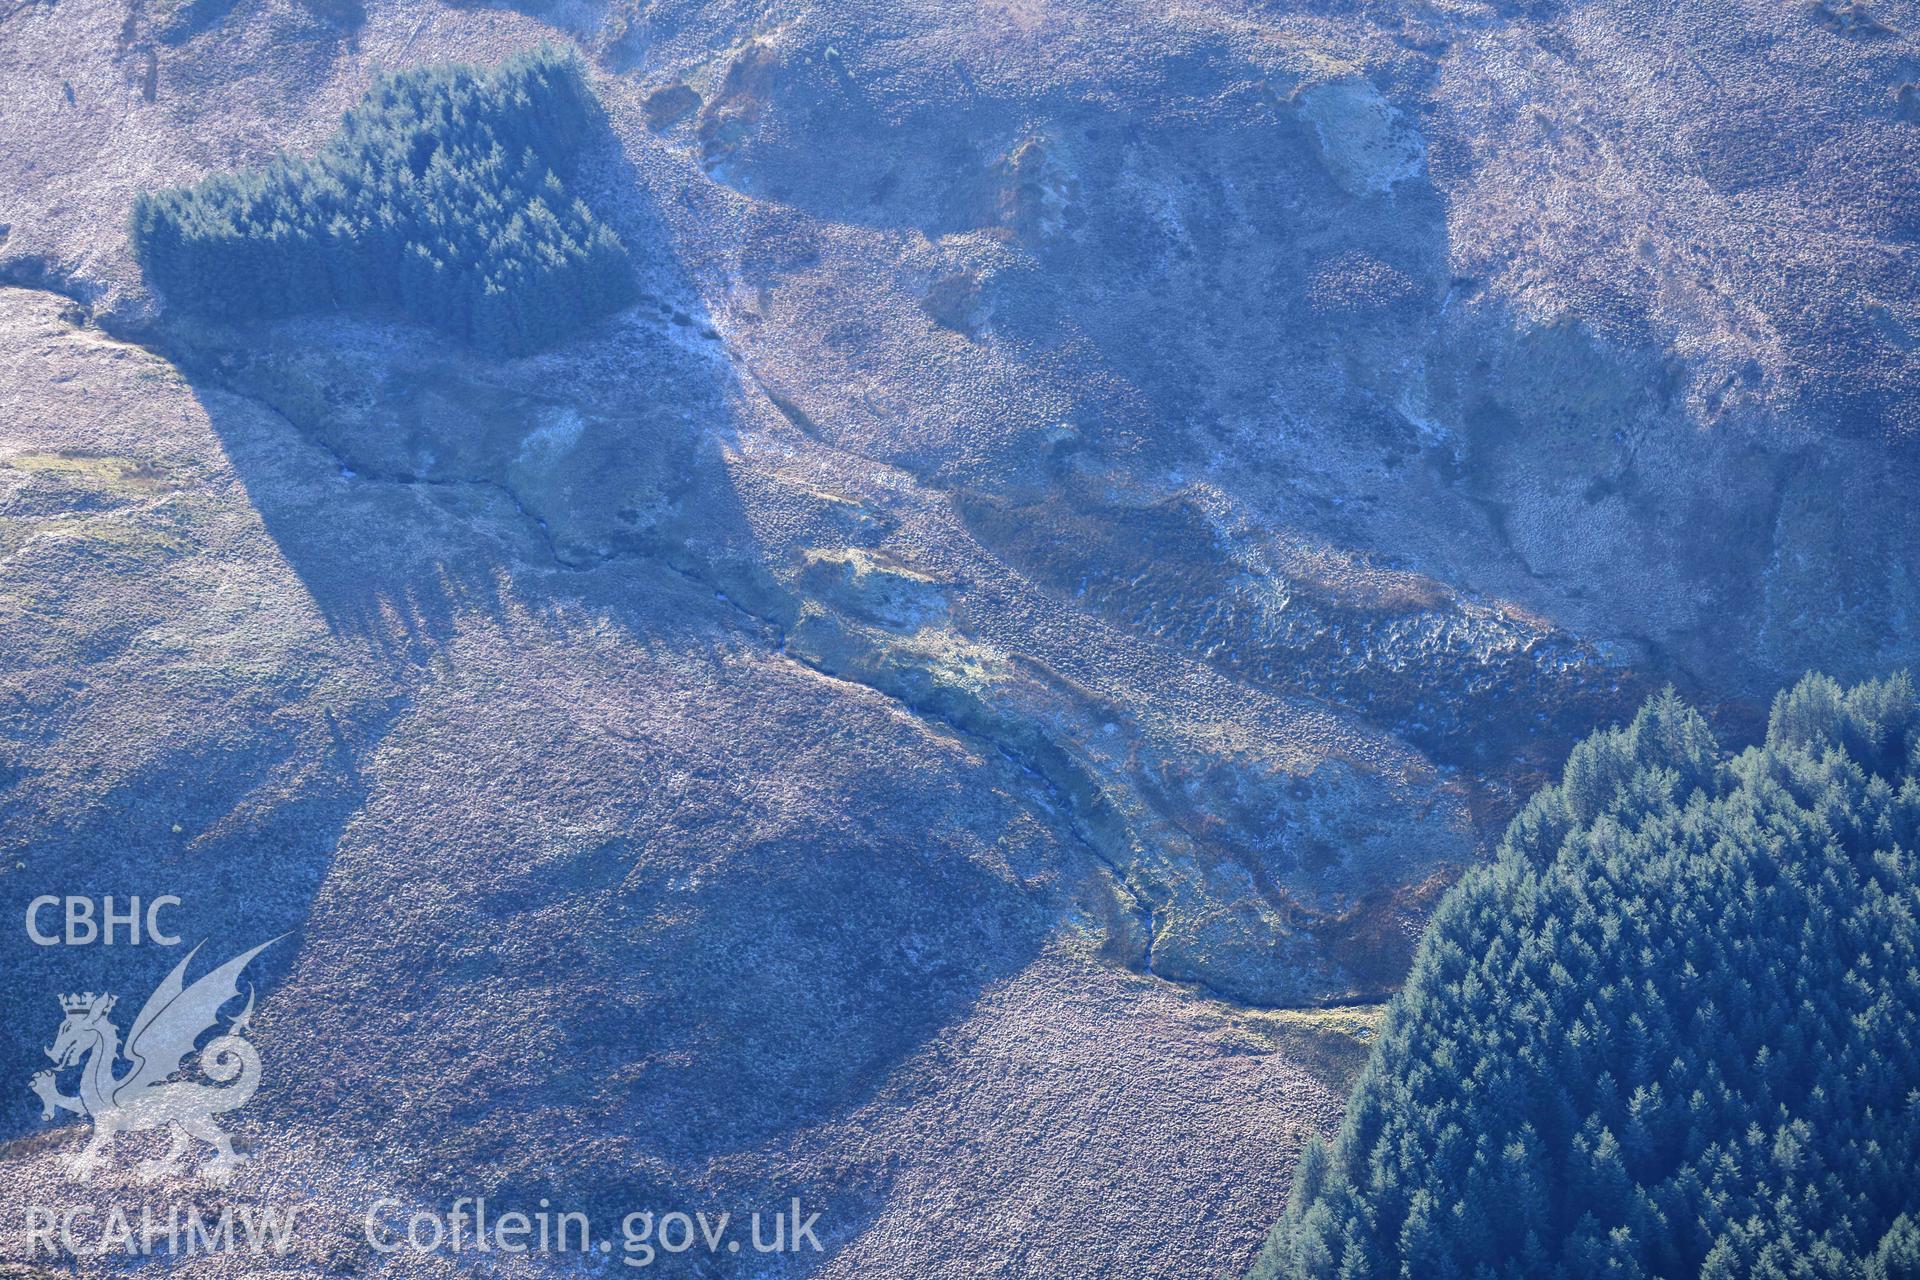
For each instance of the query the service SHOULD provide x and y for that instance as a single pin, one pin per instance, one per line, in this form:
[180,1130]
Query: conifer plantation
[1673,1030]
[444,196]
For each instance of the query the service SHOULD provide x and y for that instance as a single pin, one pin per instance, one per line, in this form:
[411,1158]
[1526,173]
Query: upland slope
[1099,512]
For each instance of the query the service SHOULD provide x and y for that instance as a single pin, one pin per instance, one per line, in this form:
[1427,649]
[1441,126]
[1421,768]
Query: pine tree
[1671,1031]
[443,196]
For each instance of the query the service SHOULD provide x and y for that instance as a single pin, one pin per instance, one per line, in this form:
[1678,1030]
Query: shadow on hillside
[241,829]
[687,990]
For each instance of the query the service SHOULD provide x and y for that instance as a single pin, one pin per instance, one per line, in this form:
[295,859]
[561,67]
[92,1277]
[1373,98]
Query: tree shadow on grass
[649,1002]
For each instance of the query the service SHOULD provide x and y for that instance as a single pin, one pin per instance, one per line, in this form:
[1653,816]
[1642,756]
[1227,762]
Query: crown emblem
[86,1003]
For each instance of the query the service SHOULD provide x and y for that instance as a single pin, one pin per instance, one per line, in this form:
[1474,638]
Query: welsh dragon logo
[146,1096]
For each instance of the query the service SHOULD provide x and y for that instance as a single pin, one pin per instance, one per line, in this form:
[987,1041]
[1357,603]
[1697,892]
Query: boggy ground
[1100,513]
